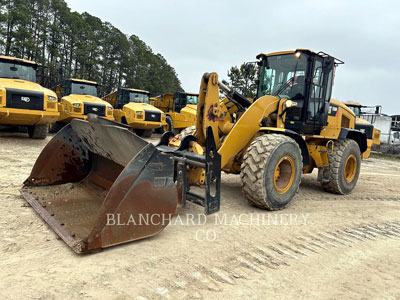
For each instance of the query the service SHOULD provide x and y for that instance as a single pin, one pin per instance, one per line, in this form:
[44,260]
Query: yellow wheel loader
[97,184]
[23,102]
[132,107]
[180,108]
[373,133]
[76,99]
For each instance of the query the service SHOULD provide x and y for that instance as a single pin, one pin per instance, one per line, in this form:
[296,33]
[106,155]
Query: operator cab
[126,96]
[306,78]
[192,98]
[15,68]
[356,108]
[182,99]
[79,87]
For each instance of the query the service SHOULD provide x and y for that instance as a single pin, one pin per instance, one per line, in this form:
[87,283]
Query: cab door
[319,95]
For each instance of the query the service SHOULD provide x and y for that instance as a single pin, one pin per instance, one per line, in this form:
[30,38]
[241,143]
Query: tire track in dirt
[320,197]
[256,260]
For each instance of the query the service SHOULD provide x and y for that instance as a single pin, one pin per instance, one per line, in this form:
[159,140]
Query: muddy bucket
[98,185]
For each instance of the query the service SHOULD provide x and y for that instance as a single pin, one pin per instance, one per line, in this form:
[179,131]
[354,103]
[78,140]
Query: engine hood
[75,98]
[190,108]
[141,106]
[26,85]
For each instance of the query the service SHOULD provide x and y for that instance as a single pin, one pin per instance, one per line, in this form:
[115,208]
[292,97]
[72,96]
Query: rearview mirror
[13,68]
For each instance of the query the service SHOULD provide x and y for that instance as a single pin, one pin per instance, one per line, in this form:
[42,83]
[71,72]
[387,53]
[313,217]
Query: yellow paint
[376,133]
[284,174]
[17,116]
[246,128]
[68,111]
[208,107]
[134,113]
[185,118]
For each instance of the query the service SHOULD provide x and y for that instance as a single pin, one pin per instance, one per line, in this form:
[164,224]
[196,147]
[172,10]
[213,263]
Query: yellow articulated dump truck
[23,102]
[132,107]
[76,99]
[373,134]
[180,108]
[99,185]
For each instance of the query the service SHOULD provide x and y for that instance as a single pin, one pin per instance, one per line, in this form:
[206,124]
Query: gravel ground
[322,246]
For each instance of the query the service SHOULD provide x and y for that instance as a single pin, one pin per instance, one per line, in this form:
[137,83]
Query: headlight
[139,112]
[110,108]
[76,104]
[52,98]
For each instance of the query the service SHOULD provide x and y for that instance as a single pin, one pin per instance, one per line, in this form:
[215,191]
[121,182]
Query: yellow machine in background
[77,98]
[23,102]
[373,134]
[132,107]
[180,109]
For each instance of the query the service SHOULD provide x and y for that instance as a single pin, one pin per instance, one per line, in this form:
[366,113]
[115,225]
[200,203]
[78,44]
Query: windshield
[191,99]
[356,110]
[283,75]
[17,71]
[83,89]
[138,98]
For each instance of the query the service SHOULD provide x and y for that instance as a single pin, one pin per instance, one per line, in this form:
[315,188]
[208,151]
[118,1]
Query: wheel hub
[350,168]
[284,174]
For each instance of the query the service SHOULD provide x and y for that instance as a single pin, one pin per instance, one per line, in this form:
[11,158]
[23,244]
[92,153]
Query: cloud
[202,36]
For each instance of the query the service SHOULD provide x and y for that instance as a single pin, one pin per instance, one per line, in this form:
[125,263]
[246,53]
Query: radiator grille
[94,108]
[24,99]
[153,116]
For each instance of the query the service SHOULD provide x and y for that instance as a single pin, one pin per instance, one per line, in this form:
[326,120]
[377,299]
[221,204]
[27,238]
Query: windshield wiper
[284,86]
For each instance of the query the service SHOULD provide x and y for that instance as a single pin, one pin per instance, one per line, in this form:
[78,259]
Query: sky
[211,36]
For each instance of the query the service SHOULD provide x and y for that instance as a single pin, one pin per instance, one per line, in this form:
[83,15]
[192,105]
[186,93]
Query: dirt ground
[322,246]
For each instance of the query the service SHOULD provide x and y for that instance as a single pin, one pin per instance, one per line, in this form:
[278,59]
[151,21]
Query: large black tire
[144,132]
[123,120]
[56,127]
[271,171]
[38,131]
[170,124]
[344,167]
[159,130]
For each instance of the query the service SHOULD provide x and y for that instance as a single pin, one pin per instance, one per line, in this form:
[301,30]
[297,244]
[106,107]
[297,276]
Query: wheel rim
[350,168]
[284,174]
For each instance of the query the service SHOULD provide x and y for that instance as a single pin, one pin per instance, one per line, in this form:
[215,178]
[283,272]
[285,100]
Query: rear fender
[359,137]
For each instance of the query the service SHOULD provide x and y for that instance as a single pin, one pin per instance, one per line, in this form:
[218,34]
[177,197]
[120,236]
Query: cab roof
[136,90]
[83,81]
[285,52]
[352,104]
[322,54]
[192,94]
[16,59]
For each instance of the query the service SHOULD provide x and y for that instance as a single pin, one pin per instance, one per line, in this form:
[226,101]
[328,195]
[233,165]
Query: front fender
[294,135]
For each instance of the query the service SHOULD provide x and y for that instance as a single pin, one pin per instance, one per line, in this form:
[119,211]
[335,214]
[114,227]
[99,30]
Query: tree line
[243,79]
[78,45]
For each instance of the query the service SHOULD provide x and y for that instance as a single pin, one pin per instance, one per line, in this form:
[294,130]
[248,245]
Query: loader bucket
[97,184]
